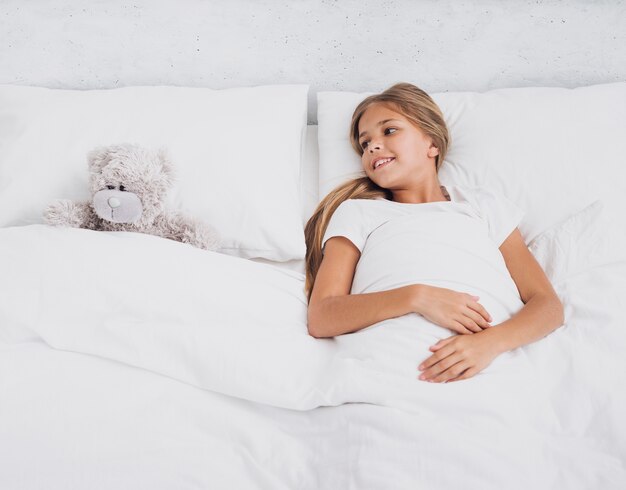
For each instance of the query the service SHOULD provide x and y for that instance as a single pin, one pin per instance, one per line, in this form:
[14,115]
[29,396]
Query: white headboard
[355,45]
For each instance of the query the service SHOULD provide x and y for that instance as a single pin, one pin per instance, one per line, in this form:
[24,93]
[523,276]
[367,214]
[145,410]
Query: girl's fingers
[438,369]
[470,324]
[441,353]
[460,328]
[452,372]
[476,319]
[480,309]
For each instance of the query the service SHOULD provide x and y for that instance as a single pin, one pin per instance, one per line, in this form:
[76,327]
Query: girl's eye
[364,145]
[390,129]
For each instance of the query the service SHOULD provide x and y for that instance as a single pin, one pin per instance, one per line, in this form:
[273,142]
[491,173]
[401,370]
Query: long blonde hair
[419,108]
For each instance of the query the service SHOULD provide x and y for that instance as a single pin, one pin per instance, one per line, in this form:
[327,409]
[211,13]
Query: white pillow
[587,239]
[552,151]
[237,154]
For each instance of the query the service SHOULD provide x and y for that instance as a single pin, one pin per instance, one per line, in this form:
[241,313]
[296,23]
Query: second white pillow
[588,238]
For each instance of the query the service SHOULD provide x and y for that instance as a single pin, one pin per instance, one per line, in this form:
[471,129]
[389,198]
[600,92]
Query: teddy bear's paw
[201,236]
[182,228]
[65,213]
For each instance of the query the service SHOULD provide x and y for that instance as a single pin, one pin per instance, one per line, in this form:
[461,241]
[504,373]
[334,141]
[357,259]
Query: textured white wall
[359,45]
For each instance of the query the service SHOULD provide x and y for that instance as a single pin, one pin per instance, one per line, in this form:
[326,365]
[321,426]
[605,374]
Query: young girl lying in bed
[377,244]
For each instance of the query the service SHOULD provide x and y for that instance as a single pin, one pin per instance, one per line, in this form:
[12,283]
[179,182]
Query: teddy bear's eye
[110,187]
[122,188]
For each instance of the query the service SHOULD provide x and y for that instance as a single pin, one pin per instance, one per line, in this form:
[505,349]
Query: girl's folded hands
[457,311]
[459,357]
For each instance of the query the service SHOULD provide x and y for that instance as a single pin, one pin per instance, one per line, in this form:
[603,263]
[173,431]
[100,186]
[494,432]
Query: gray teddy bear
[128,187]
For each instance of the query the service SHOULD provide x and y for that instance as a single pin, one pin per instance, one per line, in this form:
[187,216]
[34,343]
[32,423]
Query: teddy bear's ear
[166,165]
[98,158]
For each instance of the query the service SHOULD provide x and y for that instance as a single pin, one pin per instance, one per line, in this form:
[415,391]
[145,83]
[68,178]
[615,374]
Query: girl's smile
[381,162]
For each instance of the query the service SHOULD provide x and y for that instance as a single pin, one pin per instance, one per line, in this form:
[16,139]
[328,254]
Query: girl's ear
[433,151]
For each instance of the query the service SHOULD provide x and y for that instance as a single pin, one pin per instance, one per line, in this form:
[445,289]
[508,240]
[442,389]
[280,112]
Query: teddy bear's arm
[65,212]
[181,228]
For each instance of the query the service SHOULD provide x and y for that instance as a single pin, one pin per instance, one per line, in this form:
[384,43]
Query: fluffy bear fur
[128,185]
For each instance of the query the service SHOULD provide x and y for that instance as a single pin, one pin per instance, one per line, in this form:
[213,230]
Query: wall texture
[357,45]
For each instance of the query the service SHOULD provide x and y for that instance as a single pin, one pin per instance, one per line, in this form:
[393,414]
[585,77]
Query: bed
[130,361]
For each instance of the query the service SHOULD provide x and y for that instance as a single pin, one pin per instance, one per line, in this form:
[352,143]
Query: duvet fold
[211,320]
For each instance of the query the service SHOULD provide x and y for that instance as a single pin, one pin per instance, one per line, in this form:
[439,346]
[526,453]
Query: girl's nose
[373,146]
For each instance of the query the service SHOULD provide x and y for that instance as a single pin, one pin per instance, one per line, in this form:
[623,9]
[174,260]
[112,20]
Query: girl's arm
[542,312]
[462,356]
[334,311]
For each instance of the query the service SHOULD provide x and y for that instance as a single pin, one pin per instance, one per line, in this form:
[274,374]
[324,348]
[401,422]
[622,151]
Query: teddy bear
[128,186]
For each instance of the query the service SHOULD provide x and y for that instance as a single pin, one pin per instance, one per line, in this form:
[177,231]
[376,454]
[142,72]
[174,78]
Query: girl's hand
[460,312]
[459,357]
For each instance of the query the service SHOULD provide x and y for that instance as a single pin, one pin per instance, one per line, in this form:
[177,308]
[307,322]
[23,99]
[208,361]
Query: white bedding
[301,412]
[217,322]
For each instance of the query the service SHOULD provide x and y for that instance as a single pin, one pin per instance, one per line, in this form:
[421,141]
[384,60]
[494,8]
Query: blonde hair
[419,108]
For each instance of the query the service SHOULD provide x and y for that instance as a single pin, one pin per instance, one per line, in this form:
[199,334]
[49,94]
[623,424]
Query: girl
[363,244]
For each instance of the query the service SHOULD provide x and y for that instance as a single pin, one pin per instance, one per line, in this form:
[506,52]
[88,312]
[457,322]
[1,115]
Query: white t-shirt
[452,244]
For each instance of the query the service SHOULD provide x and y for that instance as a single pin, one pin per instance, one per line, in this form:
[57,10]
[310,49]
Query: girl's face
[396,154]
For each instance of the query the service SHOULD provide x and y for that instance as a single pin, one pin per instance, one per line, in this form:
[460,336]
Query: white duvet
[547,415]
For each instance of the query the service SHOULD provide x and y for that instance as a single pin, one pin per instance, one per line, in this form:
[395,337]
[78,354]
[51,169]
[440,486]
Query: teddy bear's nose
[114,202]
